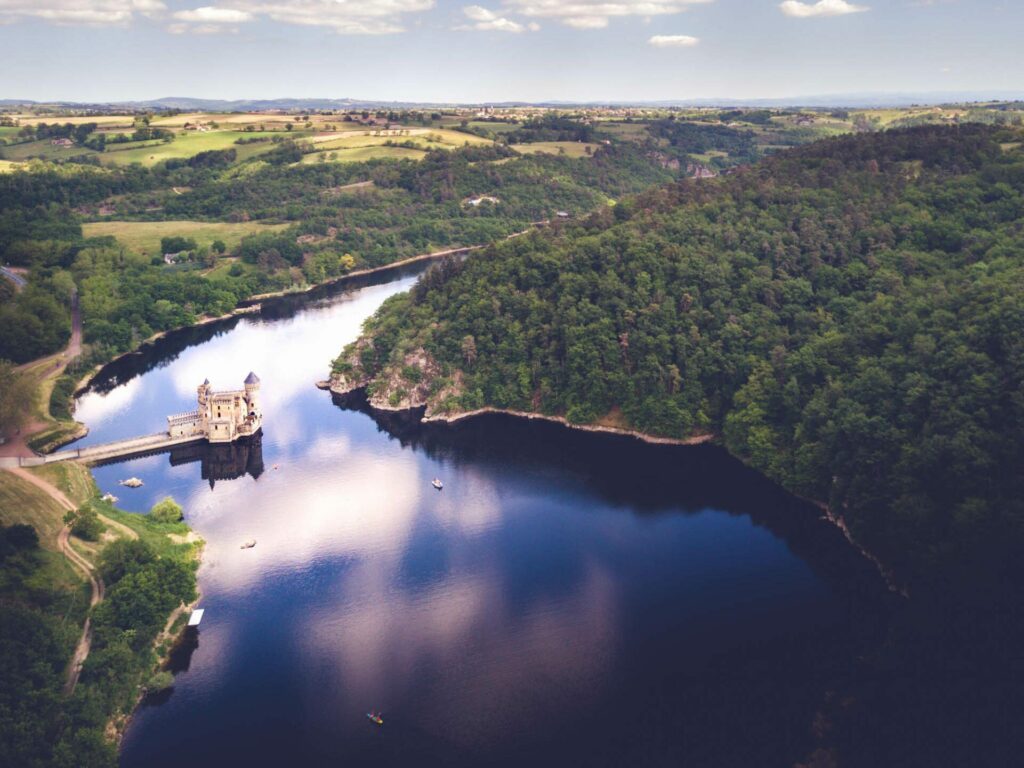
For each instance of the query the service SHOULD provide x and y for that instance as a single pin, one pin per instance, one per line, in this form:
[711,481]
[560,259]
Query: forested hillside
[342,216]
[847,317]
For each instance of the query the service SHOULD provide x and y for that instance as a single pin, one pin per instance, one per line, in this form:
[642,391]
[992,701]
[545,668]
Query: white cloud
[800,10]
[595,14]
[486,20]
[351,17]
[212,15]
[674,41]
[201,29]
[92,12]
[343,16]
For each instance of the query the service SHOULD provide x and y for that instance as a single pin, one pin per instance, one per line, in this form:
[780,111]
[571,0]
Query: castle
[222,417]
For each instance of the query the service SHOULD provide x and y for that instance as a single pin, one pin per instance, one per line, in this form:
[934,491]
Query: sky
[506,50]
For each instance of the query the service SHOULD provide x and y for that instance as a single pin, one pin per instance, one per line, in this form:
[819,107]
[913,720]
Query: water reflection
[560,584]
[223,461]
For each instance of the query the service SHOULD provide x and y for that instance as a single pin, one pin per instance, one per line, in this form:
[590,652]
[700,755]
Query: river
[567,599]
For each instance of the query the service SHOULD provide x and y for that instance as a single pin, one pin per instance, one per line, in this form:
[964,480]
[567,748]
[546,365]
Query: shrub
[167,511]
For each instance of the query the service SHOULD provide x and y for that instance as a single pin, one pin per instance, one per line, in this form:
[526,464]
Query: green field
[144,236]
[493,127]
[569,148]
[624,131]
[43,149]
[359,154]
[6,166]
[189,144]
[427,138]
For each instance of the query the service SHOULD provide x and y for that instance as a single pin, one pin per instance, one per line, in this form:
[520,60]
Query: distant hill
[861,100]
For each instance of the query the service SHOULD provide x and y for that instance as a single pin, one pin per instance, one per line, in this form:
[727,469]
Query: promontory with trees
[847,317]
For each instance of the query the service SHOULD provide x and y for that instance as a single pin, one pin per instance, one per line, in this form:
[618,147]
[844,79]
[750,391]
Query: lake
[567,599]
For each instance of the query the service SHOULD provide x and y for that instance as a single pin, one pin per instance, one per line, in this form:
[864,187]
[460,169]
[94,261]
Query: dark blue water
[567,599]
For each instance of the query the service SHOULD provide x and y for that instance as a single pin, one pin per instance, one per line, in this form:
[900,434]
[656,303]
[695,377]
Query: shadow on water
[647,477]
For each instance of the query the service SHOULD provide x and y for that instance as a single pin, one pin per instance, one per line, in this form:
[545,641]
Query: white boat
[132,482]
[249,544]
[437,484]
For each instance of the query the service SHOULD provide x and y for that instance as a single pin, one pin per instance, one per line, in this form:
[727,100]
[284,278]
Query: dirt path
[83,565]
[43,368]
[124,529]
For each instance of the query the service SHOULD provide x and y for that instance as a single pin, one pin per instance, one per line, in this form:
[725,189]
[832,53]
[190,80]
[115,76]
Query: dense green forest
[847,317]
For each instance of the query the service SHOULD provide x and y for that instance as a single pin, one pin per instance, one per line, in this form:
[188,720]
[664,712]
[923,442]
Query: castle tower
[252,392]
[203,397]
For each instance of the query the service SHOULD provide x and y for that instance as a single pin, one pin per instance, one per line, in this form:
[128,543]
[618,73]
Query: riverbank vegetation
[43,603]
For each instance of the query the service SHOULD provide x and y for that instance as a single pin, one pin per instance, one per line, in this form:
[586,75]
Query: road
[19,281]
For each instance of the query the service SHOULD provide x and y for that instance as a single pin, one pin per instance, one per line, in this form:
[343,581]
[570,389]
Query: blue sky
[493,50]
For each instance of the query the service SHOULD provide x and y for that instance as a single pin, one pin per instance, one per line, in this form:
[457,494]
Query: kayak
[375,718]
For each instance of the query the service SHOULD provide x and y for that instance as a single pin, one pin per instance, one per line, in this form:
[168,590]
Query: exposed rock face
[414,383]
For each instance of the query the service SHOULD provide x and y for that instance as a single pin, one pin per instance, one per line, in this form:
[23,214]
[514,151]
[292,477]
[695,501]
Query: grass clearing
[568,148]
[360,154]
[22,502]
[7,166]
[144,236]
[45,149]
[189,144]
[73,480]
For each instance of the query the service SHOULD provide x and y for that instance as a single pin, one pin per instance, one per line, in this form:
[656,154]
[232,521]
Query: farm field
[189,145]
[144,236]
[359,154]
[569,148]
[43,149]
[6,166]
[427,137]
[103,121]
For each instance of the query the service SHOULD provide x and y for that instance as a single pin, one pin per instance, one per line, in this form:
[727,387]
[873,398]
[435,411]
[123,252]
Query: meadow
[189,144]
[567,148]
[360,154]
[144,236]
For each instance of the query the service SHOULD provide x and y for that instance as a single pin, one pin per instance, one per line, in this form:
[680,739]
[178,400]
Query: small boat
[132,482]
[249,544]
[375,717]
[437,484]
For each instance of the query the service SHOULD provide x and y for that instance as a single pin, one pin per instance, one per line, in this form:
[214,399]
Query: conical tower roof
[252,378]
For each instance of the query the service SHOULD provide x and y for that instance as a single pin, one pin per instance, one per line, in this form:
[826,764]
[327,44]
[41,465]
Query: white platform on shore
[196,617]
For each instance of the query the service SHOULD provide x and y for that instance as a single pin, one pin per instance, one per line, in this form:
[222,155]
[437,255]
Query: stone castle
[222,417]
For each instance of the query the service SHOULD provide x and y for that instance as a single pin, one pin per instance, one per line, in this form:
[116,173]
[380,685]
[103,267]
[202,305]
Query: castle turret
[252,392]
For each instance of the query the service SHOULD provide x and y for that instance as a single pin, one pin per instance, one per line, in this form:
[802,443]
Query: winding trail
[87,568]
[43,368]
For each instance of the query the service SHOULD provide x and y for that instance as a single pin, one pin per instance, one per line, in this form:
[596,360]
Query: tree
[85,523]
[219,247]
[17,398]
[167,511]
